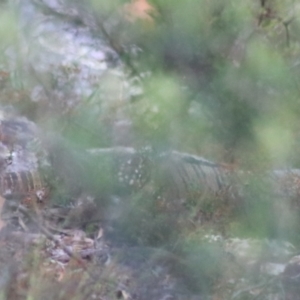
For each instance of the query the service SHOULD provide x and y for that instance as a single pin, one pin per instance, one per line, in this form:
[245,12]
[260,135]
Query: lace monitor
[28,186]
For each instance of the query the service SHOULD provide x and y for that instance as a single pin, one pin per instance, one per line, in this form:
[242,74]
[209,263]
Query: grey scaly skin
[184,172]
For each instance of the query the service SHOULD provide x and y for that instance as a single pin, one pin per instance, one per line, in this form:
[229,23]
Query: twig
[118,49]
[50,236]
[248,289]
[70,253]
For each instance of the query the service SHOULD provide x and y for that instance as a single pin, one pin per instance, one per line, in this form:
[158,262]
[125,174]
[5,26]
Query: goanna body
[25,185]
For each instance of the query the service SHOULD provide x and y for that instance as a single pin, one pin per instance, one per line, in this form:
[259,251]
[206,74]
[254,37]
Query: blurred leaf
[8,27]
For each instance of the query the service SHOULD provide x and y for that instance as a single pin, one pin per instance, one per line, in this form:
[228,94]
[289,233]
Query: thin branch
[52,237]
[118,49]
[287,33]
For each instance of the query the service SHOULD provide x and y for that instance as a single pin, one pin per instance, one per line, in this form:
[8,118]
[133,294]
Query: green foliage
[201,264]
[142,223]
[214,78]
[223,61]
[8,28]
[158,115]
